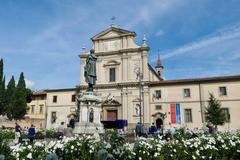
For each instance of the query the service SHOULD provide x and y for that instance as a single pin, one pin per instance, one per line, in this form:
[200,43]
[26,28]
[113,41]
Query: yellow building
[36,114]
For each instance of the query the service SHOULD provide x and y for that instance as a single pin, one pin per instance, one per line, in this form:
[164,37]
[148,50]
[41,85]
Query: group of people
[68,132]
[31,132]
[153,130]
[141,130]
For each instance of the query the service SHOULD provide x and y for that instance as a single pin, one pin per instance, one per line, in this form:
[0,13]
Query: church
[133,90]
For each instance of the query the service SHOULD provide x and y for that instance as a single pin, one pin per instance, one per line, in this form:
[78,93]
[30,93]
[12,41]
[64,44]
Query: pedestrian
[68,132]
[138,129]
[210,127]
[153,130]
[72,122]
[17,133]
[60,131]
[31,133]
[161,130]
[144,131]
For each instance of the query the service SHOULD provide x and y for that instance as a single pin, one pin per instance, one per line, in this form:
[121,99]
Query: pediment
[113,32]
[111,102]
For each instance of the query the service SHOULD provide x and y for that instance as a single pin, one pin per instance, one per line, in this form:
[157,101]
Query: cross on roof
[113,20]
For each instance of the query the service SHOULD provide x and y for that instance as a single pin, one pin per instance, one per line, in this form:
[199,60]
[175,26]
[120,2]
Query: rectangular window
[42,97]
[73,98]
[54,99]
[226,114]
[158,94]
[112,74]
[41,109]
[32,109]
[188,115]
[158,107]
[53,117]
[186,92]
[222,91]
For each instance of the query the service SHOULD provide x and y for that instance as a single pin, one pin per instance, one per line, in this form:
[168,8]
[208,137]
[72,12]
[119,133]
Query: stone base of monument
[88,128]
[89,116]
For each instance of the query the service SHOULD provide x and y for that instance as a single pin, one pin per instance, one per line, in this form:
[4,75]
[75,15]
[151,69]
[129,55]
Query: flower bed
[184,144]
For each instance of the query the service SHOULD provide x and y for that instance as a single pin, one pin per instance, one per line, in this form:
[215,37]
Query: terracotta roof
[40,92]
[61,89]
[197,80]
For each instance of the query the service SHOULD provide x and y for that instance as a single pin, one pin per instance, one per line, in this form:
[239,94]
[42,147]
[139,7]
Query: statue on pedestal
[90,70]
[91,116]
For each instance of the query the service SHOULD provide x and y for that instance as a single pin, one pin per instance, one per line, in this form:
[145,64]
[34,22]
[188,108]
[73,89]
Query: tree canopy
[214,112]
[14,99]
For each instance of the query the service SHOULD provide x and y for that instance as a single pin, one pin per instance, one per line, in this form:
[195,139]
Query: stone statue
[91,115]
[90,70]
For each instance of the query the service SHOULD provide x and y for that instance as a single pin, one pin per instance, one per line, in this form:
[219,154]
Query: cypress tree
[20,106]
[2,89]
[10,97]
[214,112]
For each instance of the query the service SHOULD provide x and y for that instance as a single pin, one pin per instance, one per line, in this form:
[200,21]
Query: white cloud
[222,35]
[29,83]
[159,33]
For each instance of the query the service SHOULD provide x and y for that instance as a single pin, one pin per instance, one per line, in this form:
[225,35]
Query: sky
[195,38]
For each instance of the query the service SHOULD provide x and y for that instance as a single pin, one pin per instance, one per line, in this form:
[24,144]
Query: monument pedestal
[89,118]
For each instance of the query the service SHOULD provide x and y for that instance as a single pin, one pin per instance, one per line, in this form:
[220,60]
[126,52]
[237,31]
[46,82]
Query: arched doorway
[159,122]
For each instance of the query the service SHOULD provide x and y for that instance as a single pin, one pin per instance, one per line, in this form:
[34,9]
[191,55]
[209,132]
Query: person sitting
[31,133]
[68,132]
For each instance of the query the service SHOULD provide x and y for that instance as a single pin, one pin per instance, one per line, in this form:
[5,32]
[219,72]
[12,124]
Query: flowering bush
[184,144]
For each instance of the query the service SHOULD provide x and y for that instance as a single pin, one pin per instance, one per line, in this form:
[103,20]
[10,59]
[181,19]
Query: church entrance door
[111,115]
[159,122]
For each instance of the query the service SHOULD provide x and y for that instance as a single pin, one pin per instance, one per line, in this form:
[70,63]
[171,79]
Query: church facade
[131,89]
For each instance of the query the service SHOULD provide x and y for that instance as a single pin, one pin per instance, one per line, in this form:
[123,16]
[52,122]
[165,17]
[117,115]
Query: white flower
[72,147]
[29,156]
[29,146]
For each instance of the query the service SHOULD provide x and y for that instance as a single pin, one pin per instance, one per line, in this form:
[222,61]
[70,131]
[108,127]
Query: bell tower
[159,67]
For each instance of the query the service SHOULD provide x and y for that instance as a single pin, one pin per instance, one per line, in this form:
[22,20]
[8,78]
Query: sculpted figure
[91,115]
[90,70]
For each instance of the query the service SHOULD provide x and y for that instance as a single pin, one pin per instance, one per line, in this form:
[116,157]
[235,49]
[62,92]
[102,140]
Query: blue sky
[196,38]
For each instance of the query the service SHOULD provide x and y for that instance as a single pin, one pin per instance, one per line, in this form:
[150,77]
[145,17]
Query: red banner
[173,113]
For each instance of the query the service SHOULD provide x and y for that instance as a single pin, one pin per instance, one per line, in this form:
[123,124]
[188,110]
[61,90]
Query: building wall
[172,94]
[36,116]
[63,107]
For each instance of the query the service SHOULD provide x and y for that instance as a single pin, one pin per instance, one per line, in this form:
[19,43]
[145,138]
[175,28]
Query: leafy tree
[10,97]
[20,107]
[214,112]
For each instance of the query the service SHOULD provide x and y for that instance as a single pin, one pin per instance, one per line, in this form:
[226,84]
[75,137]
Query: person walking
[138,129]
[17,133]
[31,133]
[60,131]
[153,130]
